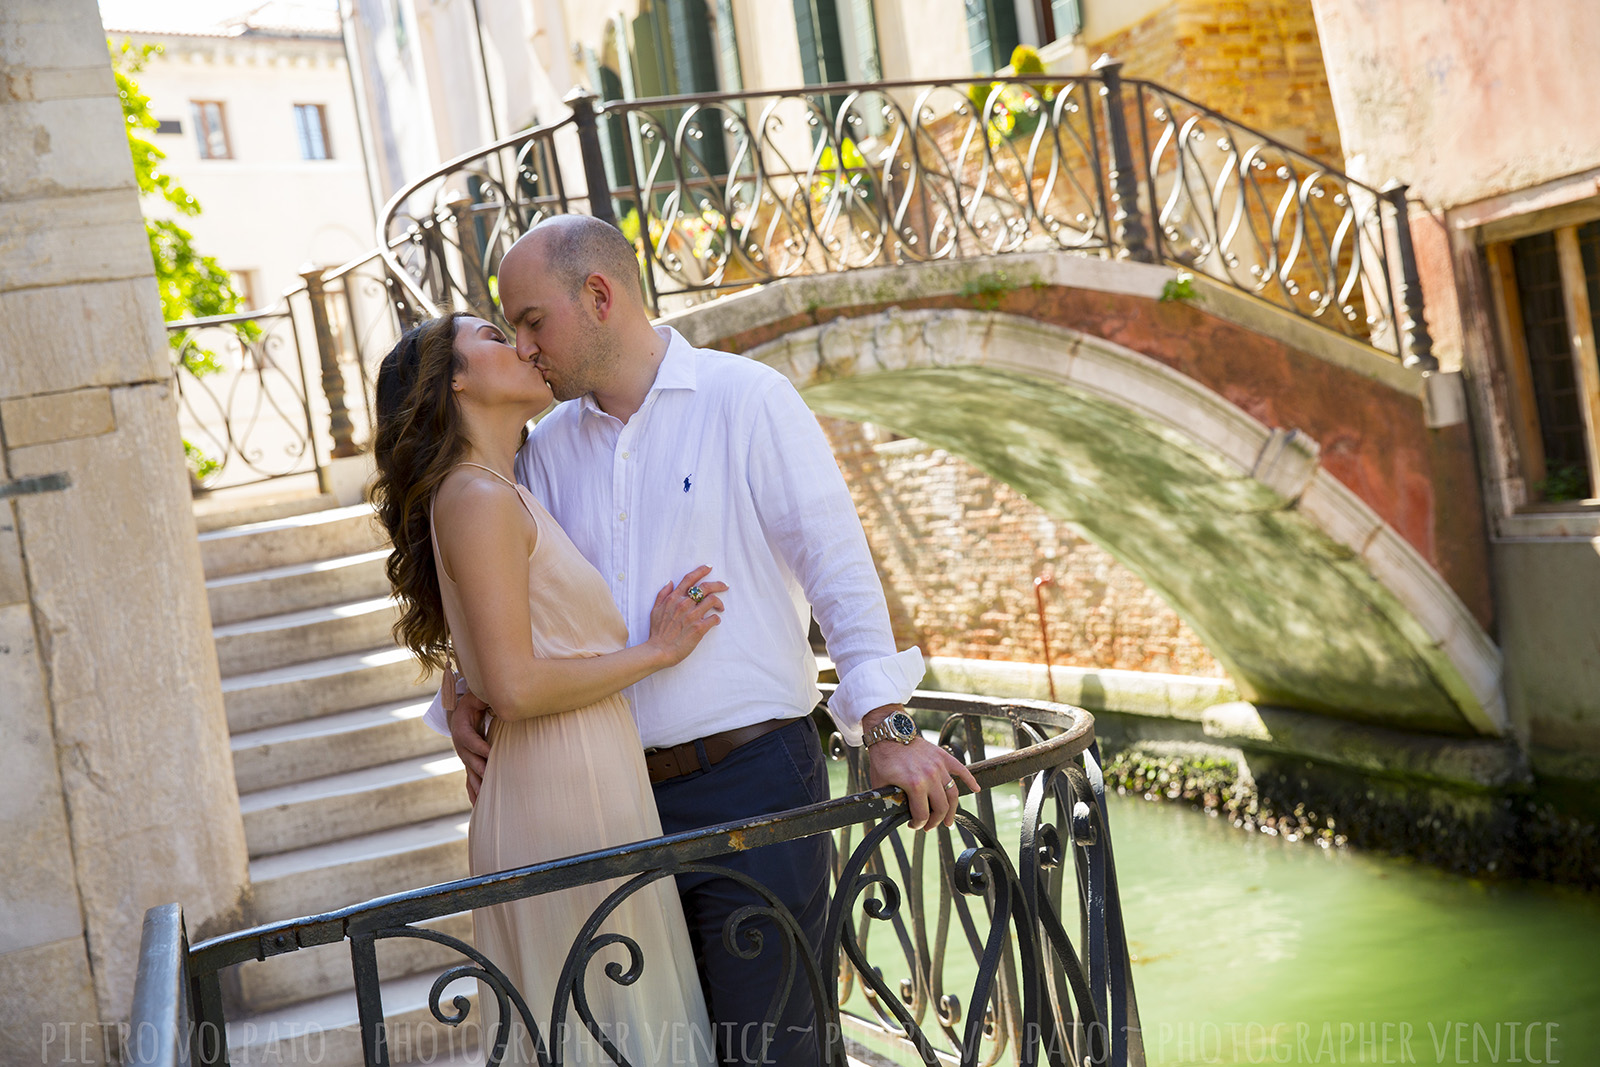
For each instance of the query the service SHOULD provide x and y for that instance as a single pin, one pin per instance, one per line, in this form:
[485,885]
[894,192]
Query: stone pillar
[116,780]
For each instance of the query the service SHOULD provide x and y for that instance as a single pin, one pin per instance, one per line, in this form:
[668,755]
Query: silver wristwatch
[898,727]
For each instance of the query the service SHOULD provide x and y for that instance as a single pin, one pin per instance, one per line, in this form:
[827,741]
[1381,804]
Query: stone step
[298,636]
[279,981]
[227,508]
[352,803]
[326,1031]
[320,687]
[298,586]
[335,874]
[257,546]
[345,741]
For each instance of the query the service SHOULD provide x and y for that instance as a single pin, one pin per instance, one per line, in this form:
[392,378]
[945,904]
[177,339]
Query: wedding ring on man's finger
[696,594]
[951,784]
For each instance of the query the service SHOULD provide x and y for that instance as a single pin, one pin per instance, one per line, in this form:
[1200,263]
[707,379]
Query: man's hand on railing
[466,733]
[927,773]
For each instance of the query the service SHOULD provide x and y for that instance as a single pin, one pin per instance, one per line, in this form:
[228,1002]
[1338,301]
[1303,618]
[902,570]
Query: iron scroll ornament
[1027,998]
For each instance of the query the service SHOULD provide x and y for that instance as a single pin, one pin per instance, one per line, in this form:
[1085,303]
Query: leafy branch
[190,284]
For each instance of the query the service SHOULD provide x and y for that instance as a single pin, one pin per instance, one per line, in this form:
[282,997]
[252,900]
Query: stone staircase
[345,793]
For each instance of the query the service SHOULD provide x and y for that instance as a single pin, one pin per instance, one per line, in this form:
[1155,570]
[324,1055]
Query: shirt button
[625,455]
[621,575]
[622,516]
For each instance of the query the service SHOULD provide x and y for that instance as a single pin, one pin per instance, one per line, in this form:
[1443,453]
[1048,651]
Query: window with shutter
[991,33]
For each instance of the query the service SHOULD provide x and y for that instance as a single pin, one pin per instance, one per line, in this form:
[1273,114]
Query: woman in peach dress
[483,574]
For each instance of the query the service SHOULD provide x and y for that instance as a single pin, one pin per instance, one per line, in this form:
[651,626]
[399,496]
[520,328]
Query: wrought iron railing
[248,409]
[243,404]
[724,190]
[948,947]
[357,313]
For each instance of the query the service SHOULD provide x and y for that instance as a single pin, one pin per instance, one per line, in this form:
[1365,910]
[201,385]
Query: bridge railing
[1000,940]
[720,191]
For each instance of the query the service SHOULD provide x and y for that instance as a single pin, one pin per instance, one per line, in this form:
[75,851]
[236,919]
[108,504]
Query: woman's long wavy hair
[419,438]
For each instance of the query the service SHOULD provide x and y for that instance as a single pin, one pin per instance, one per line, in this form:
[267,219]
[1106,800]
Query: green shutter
[821,53]
[694,70]
[991,33]
[1003,30]
[728,48]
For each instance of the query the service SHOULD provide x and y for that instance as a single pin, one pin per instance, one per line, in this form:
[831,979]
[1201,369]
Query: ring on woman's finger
[696,594]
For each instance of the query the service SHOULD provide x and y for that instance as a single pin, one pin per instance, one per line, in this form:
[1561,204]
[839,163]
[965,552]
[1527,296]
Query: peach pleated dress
[558,785]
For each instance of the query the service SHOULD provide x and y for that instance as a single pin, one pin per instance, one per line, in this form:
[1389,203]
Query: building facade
[1492,134]
[259,124]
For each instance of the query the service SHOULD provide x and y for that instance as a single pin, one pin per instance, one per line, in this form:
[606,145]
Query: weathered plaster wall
[1463,99]
[1474,105]
[958,551]
[116,781]
[1549,591]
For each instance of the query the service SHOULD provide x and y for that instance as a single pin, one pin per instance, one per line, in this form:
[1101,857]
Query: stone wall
[1257,61]
[116,781]
[959,551]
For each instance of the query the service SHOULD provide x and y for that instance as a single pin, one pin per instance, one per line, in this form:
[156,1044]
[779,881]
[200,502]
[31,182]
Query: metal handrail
[1085,163]
[243,396]
[1034,991]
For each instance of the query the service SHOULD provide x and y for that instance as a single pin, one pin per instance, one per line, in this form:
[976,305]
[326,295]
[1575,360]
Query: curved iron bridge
[721,191]
[1043,993]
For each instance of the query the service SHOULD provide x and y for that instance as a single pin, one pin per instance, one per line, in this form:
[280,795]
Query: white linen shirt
[723,464]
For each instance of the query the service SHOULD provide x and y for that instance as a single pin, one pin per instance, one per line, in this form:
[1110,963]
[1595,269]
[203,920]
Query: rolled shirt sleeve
[435,717]
[811,521]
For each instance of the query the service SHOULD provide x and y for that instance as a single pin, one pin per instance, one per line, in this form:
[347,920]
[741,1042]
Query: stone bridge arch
[1299,587]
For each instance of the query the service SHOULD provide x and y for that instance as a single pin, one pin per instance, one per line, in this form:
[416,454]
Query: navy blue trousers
[780,770]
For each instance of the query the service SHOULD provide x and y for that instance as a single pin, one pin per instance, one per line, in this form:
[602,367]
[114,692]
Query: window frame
[202,138]
[1522,400]
[244,283]
[322,130]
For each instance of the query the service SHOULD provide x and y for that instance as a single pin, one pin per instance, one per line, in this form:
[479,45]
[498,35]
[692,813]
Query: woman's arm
[485,539]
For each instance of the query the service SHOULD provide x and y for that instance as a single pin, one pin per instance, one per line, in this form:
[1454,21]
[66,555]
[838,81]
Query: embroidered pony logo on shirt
[686,478]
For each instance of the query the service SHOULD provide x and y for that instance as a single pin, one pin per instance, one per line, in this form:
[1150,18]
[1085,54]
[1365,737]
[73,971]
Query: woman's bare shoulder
[474,508]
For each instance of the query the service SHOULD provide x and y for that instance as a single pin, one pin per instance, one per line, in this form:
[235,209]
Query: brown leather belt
[677,760]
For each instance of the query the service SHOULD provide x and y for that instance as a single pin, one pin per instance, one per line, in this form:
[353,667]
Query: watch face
[903,725]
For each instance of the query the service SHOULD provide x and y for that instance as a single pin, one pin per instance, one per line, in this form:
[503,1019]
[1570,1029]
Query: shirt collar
[677,369]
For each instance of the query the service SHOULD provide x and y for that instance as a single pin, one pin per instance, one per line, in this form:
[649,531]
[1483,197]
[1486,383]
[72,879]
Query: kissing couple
[624,589]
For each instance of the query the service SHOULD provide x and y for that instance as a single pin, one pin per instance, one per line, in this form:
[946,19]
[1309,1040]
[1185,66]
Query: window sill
[1569,520]
[1564,507]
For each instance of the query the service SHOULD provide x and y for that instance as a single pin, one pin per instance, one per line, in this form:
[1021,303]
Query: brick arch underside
[1205,505]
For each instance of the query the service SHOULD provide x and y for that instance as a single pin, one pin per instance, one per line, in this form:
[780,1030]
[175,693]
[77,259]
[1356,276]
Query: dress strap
[491,470]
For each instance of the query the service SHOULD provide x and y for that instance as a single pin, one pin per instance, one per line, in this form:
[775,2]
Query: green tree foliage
[191,285]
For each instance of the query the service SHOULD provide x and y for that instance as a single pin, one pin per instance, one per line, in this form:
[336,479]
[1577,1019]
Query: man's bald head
[571,248]
[569,287]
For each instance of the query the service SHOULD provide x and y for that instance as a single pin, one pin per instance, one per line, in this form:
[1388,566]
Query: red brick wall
[958,553]
[1257,61]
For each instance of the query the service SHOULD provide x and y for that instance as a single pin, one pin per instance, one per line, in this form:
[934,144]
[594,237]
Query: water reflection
[1251,949]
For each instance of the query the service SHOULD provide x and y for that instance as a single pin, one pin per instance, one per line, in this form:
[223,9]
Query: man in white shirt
[664,457]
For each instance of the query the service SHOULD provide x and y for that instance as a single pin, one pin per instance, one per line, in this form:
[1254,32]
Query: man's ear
[599,295]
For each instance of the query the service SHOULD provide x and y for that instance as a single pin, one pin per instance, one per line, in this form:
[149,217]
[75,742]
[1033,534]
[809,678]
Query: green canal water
[1251,949]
